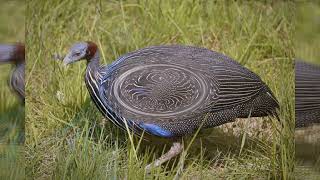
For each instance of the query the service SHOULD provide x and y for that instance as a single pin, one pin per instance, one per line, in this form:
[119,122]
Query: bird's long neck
[93,64]
[92,74]
[20,54]
[93,59]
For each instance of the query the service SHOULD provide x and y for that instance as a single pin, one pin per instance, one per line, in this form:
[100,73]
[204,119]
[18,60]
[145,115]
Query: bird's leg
[175,149]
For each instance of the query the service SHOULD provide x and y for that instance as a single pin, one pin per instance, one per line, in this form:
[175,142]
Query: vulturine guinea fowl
[307,94]
[171,91]
[15,53]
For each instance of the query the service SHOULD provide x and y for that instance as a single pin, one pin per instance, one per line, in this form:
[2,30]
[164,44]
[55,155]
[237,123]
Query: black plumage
[307,92]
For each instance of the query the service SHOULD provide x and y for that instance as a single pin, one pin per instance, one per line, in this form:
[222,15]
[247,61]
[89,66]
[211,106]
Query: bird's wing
[234,87]
[230,83]
[307,91]
[227,83]
[307,86]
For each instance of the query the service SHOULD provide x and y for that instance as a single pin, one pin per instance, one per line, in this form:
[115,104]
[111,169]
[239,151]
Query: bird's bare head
[12,53]
[80,51]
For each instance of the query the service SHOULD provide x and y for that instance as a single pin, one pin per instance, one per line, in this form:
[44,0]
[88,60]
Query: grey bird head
[12,53]
[77,52]
[80,51]
[6,53]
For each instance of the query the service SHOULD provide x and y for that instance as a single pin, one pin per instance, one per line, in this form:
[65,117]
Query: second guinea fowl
[15,54]
[171,91]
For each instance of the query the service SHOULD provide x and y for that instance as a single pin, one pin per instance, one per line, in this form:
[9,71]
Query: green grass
[12,29]
[67,137]
[307,32]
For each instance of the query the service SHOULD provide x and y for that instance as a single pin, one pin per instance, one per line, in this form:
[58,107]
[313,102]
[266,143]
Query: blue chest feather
[156,130]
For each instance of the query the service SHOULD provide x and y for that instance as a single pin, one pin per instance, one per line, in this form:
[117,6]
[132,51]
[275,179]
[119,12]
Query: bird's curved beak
[67,60]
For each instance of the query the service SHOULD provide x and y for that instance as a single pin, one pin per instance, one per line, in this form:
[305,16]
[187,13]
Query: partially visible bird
[15,54]
[307,92]
[170,91]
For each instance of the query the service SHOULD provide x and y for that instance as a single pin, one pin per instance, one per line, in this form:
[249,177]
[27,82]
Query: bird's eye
[77,53]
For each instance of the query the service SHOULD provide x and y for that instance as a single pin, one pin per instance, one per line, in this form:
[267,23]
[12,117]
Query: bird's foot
[175,149]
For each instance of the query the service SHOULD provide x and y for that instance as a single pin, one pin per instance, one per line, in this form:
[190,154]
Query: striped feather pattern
[93,83]
[307,94]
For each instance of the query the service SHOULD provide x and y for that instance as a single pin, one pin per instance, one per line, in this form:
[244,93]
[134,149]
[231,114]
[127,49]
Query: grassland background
[12,29]
[308,32]
[67,137]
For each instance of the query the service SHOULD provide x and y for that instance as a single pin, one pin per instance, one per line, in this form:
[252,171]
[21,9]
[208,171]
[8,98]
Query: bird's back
[169,90]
